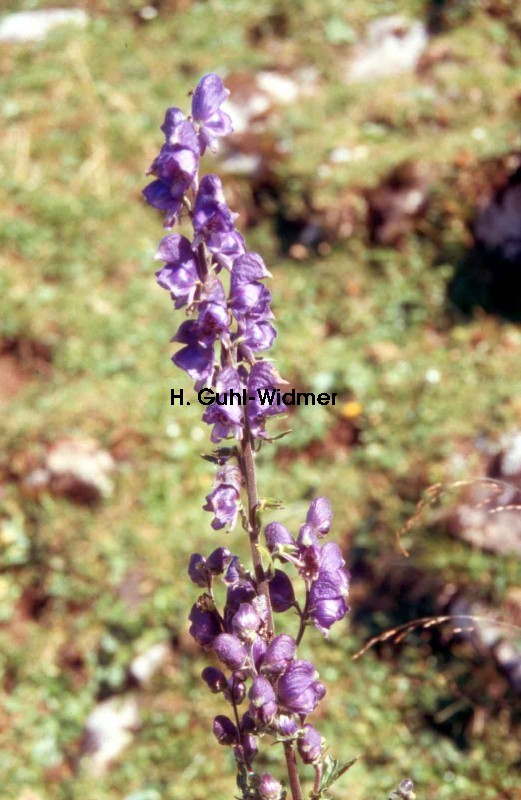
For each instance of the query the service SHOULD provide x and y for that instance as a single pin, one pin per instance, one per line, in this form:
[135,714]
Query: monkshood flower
[227,419]
[277,537]
[263,701]
[282,593]
[179,274]
[279,653]
[299,689]
[270,788]
[198,571]
[246,622]
[310,744]
[175,167]
[218,561]
[224,730]
[224,499]
[230,650]
[214,679]
[327,597]
[320,516]
[211,214]
[207,100]
[262,383]
[205,625]
[196,359]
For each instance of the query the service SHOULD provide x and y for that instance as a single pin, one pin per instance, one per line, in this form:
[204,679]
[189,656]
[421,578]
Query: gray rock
[393,45]
[33,26]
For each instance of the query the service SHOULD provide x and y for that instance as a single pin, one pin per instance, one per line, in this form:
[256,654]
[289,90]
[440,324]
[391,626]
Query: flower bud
[320,516]
[235,691]
[282,594]
[270,788]
[263,704]
[205,626]
[286,725]
[258,650]
[234,572]
[197,570]
[280,652]
[246,622]
[241,592]
[405,790]
[230,651]
[250,746]
[277,534]
[248,723]
[224,730]
[214,679]
[310,745]
[218,561]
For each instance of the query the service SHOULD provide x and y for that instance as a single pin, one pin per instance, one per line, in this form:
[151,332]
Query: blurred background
[376,167]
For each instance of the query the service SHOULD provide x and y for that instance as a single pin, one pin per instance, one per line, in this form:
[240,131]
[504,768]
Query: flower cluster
[229,322]
[264,670]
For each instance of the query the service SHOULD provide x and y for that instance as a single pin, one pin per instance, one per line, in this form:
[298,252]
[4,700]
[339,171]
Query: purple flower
[235,692]
[298,689]
[205,625]
[234,572]
[225,247]
[320,516]
[158,194]
[280,652]
[218,561]
[263,703]
[224,730]
[327,598]
[310,745]
[243,591]
[211,214]
[258,651]
[208,97]
[277,535]
[175,167]
[246,293]
[270,788]
[214,679]
[331,558]
[179,275]
[282,594]
[250,747]
[213,321]
[286,726]
[230,651]
[261,386]
[197,570]
[173,116]
[179,130]
[256,333]
[226,416]
[246,622]
[195,359]
[223,501]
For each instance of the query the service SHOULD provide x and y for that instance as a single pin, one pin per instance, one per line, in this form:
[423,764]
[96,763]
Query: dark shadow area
[489,275]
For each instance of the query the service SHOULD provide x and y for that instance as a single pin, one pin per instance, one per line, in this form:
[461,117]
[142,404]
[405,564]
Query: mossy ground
[81,114]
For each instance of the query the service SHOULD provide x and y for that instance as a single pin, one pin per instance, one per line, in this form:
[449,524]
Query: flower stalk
[229,325]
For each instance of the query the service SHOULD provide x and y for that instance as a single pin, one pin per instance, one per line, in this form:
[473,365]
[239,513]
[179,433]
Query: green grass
[81,115]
